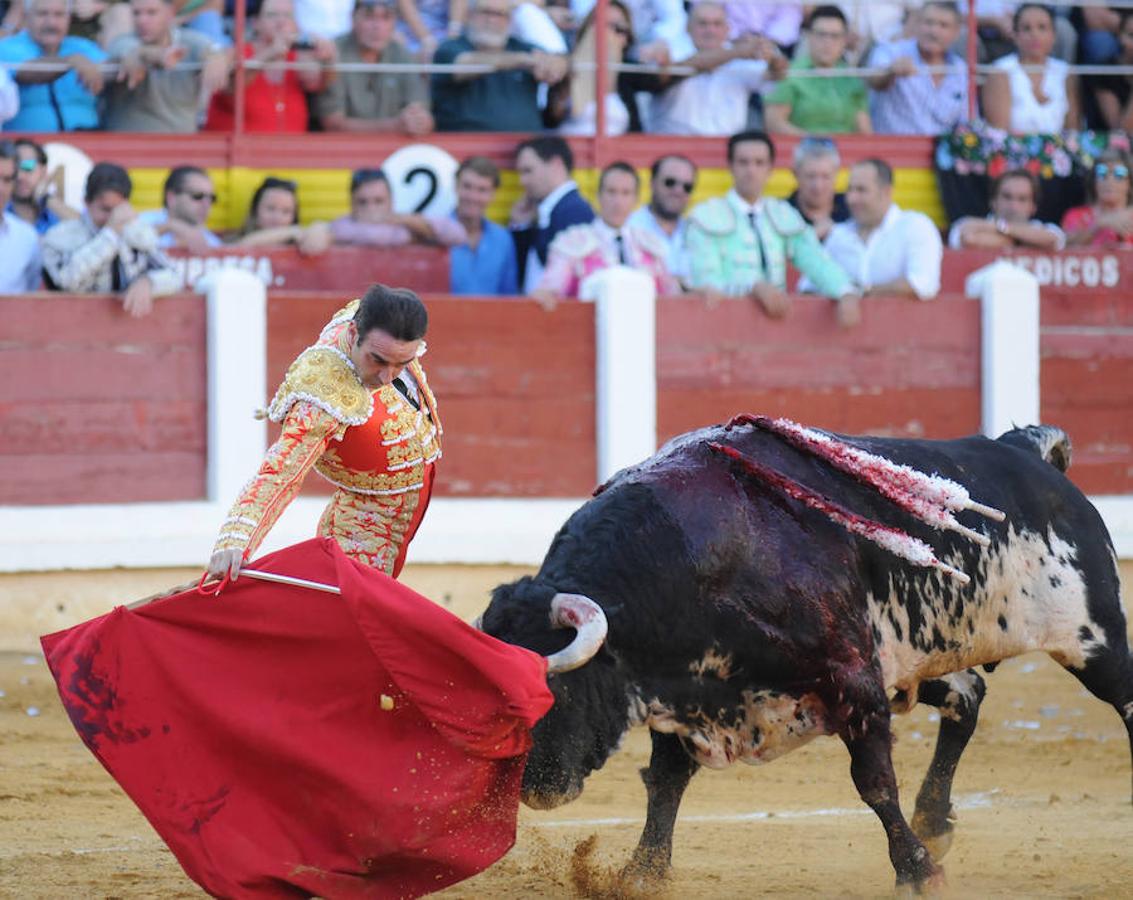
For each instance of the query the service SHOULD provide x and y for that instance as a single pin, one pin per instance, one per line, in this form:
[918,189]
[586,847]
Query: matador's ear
[421,348]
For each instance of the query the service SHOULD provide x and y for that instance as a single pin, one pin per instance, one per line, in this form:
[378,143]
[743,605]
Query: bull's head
[591,710]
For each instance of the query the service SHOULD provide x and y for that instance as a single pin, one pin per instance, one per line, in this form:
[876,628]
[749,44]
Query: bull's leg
[958,698]
[668,774]
[867,736]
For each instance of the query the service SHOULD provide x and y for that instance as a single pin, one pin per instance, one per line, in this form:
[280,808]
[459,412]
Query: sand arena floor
[1043,792]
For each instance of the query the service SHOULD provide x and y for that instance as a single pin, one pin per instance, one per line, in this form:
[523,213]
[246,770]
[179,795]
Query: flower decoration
[979,149]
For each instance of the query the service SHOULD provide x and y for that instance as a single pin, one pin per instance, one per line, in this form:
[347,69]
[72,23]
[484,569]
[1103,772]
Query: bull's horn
[587,618]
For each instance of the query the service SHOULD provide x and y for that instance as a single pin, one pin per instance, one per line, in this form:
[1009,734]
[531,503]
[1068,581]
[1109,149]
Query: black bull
[742,623]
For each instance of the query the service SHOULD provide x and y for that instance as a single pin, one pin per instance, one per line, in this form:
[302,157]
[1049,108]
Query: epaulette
[324,377]
[784,218]
[575,242]
[650,242]
[714,216]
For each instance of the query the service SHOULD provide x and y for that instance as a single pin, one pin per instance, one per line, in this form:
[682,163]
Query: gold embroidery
[323,377]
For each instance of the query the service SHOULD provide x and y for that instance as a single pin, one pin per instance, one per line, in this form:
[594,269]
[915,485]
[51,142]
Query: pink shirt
[346,230]
[582,250]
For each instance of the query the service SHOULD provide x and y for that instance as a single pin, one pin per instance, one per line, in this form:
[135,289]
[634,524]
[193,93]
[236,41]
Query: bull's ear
[587,618]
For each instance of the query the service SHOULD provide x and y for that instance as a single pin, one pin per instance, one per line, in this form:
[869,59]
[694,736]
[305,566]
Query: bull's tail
[1049,442]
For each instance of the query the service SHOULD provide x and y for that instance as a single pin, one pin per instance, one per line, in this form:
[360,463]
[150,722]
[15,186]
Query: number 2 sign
[422,179]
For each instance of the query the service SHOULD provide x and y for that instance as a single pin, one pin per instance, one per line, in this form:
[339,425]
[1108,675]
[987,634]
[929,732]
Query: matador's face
[379,357]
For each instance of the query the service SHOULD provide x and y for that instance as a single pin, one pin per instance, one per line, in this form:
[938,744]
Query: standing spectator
[37,197]
[328,19]
[581,250]
[1112,93]
[375,101]
[802,104]
[1011,222]
[275,96]
[906,99]
[887,250]
[1023,102]
[816,167]
[373,223]
[428,22]
[661,27]
[108,249]
[671,183]
[1107,218]
[779,22]
[550,203]
[188,197]
[19,242]
[485,262]
[153,93]
[504,99]
[60,100]
[273,221]
[715,101]
[739,244]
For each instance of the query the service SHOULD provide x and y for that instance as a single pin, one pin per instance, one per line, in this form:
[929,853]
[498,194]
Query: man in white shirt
[672,180]
[885,250]
[715,101]
[188,196]
[19,242]
[1011,222]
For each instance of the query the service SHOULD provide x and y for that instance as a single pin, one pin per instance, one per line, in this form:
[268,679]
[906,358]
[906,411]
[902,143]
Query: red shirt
[1082,217]
[277,108]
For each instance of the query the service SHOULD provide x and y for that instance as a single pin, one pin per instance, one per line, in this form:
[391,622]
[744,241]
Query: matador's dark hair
[397,311]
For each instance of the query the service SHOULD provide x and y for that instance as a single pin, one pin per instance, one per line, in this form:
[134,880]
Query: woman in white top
[1032,93]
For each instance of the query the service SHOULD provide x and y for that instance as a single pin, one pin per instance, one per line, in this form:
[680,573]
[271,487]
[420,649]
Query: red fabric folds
[286,742]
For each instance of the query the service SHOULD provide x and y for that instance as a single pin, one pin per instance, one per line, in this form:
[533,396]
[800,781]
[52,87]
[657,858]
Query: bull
[721,598]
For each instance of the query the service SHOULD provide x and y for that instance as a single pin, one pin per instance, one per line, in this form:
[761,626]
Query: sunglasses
[623,30]
[198,196]
[671,183]
[27,165]
[1101,170]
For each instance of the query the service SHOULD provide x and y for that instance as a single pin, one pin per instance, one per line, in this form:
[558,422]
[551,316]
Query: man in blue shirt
[37,198]
[59,100]
[486,263]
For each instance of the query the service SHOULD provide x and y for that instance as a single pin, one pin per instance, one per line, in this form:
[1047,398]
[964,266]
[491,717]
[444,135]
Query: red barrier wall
[97,407]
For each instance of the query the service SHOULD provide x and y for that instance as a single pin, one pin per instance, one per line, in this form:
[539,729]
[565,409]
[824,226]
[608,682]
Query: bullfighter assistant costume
[376,446]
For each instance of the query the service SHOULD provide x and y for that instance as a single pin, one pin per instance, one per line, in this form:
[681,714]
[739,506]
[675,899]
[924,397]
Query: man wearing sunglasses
[37,197]
[671,183]
[189,196]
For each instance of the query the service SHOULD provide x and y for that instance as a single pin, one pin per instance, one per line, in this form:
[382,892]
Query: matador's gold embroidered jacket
[372,445]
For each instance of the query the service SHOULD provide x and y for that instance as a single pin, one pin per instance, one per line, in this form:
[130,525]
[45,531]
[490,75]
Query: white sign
[422,178]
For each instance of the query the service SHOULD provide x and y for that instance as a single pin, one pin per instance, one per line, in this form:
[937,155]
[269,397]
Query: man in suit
[551,202]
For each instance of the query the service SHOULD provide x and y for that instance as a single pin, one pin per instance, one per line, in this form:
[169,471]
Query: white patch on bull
[766,726]
[1029,583]
[713,663]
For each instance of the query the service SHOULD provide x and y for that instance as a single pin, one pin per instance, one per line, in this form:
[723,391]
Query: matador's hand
[226,564]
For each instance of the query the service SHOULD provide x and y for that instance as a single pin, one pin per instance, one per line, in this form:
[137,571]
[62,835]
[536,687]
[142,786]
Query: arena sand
[1042,794]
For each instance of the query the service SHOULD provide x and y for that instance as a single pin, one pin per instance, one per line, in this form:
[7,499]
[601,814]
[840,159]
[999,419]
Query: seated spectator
[906,99]
[273,221]
[275,96]
[373,223]
[1113,94]
[1042,103]
[188,196]
[778,22]
[816,169]
[327,19]
[428,22]
[1011,222]
[19,242]
[153,91]
[581,250]
[886,250]
[108,248]
[62,100]
[368,101]
[661,27]
[1107,218]
[715,101]
[485,263]
[551,202]
[505,99]
[802,104]
[571,107]
[671,182]
[37,197]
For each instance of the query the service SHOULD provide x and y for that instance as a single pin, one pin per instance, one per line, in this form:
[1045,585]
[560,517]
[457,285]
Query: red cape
[251,729]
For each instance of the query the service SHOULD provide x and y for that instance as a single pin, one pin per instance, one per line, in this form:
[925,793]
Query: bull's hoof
[645,869]
[933,885]
[934,832]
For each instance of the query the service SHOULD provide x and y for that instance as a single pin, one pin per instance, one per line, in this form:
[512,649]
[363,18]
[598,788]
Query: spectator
[60,100]
[778,22]
[571,105]
[19,242]
[101,21]
[816,170]
[1011,222]
[581,250]
[373,223]
[154,92]
[801,104]
[1099,40]
[504,99]
[428,22]
[1112,93]
[1107,218]
[203,17]
[739,244]
[532,23]
[188,197]
[671,183]
[9,97]
[37,198]
[273,221]
[275,97]
[906,99]
[715,101]
[1024,103]
[108,249]
[369,101]
[877,22]
[328,19]
[485,262]
[887,250]
[551,202]
[661,27]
